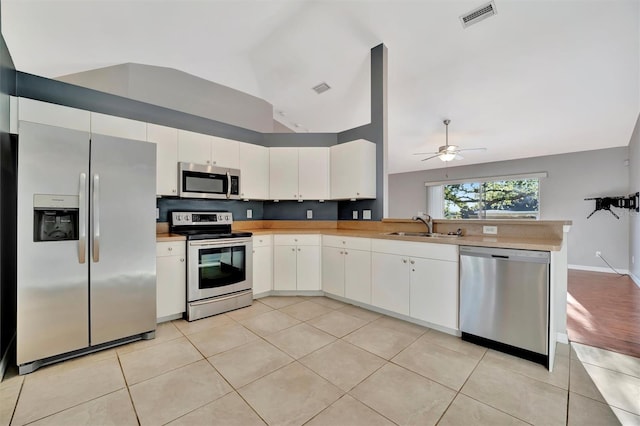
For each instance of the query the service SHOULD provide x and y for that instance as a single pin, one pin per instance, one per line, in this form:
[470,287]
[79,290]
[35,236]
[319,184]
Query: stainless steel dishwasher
[504,300]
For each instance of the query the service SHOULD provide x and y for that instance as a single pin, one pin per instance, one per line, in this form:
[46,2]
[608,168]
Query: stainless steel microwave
[205,181]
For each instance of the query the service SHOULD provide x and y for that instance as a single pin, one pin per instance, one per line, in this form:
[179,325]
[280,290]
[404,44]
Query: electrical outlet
[366,214]
[309,214]
[493,230]
[249,213]
[598,254]
[355,215]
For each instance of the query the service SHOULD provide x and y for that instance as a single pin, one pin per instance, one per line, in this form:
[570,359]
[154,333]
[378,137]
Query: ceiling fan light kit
[447,152]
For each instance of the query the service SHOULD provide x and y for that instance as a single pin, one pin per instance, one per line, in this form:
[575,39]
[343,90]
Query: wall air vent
[321,88]
[476,15]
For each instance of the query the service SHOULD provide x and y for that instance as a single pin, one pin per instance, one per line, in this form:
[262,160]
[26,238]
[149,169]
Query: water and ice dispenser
[55,217]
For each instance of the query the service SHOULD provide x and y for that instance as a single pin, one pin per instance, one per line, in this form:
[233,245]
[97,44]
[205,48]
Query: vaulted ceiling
[541,77]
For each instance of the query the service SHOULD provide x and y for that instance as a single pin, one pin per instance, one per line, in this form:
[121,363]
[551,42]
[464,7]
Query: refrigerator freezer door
[53,293]
[123,239]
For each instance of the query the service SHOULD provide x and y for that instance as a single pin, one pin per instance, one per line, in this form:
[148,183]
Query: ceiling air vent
[321,88]
[478,14]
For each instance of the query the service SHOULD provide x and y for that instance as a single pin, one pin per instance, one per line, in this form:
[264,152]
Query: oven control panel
[201,218]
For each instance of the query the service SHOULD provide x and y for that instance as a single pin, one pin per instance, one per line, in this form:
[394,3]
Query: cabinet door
[262,270]
[390,282]
[434,291]
[118,127]
[308,268]
[194,147]
[333,270]
[254,169]
[170,286]
[166,140]
[357,275]
[283,173]
[313,173]
[353,170]
[225,152]
[284,267]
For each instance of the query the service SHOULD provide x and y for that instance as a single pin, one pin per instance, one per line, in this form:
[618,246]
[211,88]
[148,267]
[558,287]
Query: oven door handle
[228,243]
[228,185]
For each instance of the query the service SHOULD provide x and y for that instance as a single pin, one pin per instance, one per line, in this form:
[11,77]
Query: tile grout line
[15,407]
[126,385]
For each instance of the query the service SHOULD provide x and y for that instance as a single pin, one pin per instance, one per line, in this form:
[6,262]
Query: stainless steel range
[219,263]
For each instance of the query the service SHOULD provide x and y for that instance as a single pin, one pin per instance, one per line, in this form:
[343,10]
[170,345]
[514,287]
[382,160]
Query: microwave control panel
[201,218]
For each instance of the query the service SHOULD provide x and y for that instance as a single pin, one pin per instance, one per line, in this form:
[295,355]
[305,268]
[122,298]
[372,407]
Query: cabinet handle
[413,262]
[344,242]
[298,249]
[341,252]
[208,162]
[253,251]
[413,270]
[215,162]
[404,260]
[293,249]
[357,193]
[346,252]
[173,190]
[170,248]
[181,259]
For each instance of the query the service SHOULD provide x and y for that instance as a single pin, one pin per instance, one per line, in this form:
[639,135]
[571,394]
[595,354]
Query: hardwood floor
[603,310]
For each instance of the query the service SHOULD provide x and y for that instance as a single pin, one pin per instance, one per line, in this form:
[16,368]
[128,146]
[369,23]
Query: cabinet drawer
[296,240]
[347,242]
[171,248]
[262,240]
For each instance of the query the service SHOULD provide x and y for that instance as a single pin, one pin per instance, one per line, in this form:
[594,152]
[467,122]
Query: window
[488,198]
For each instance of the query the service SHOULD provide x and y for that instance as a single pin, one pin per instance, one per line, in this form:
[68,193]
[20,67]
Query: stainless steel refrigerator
[86,271]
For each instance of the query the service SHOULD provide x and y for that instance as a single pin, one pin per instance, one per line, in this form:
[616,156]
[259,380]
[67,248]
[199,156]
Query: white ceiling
[539,78]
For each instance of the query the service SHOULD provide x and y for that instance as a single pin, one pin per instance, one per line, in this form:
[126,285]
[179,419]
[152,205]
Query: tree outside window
[501,199]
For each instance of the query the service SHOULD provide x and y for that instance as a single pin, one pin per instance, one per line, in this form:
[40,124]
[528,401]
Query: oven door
[218,267]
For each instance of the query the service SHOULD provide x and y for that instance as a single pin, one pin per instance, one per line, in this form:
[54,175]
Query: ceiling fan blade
[429,158]
[472,149]
[425,153]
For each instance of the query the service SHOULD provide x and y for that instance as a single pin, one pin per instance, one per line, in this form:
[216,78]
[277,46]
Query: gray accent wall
[179,91]
[571,178]
[634,218]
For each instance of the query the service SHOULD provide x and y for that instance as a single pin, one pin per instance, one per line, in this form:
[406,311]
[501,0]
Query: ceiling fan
[448,152]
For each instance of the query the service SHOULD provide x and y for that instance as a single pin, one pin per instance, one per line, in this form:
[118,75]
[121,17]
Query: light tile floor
[317,361]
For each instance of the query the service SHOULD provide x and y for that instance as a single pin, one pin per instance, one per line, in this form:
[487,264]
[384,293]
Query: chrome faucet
[428,223]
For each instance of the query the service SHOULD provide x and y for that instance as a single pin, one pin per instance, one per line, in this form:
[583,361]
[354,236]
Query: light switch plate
[355,215]
[366,214]
[249,214]
[309,214]
[493,230]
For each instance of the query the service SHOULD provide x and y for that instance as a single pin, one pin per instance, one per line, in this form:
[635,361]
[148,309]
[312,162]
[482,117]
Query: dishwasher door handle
[499,256]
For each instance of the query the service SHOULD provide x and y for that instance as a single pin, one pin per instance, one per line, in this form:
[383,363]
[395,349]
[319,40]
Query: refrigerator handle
[228,185]
[82,219]
[96,218]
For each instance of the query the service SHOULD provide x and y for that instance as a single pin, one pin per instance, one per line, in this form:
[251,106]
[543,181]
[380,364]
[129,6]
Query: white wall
[634,218]
[572,177]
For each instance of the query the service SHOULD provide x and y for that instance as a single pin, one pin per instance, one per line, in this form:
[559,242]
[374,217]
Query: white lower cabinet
[171,287]
[262,264]
[416,279]
[390,282]
[434,292]
[346,267]
[296,262]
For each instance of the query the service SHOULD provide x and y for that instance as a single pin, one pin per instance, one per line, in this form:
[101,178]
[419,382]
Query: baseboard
[562,338]
[597,269]
[635,279]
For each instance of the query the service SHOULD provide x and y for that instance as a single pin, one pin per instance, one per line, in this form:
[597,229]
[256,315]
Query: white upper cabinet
[53,115]
[353,170]
[283,173]
[206,149]
[166,140]
[118,127]
[313,173]
[225,153]
[299,173]
[194,147]
[254,171]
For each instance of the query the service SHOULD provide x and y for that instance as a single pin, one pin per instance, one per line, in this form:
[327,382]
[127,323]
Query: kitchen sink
[422,234]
